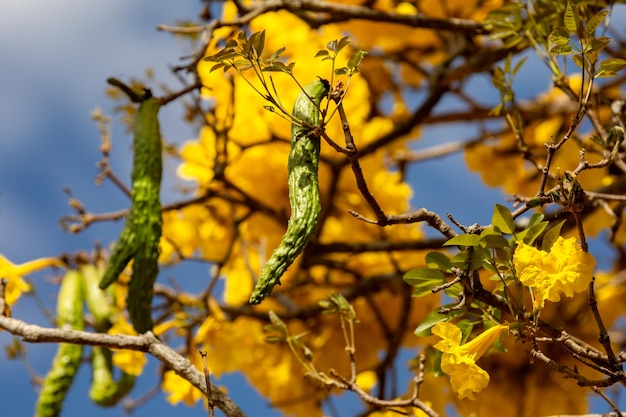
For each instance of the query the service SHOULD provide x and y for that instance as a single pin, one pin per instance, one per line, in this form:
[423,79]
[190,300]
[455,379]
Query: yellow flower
[129,361]
[13,274]
[179,389]
[366,380]
[566,269]
[459,361]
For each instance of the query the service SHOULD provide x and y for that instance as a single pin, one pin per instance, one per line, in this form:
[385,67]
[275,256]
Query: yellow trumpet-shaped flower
[13,274]
[566,269]
[459,361]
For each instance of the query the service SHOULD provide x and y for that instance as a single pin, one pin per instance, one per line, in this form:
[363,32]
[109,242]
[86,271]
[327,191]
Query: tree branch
[147,343]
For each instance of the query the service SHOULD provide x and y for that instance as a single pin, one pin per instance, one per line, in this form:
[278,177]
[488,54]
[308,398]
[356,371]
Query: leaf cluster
[585,53]
[490,250]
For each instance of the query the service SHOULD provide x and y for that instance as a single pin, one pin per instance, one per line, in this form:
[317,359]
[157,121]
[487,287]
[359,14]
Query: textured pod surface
[104,390]
[304,194]
[142,231]
[68,357]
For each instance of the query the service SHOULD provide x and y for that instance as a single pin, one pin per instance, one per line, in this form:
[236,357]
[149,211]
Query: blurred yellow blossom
[13,274]
[179,389]
[459,361]
[366,380]
[566,269]
[129,361]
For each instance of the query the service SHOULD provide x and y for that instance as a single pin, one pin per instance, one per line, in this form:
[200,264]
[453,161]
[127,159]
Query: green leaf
[257,40]
[598,44]
[533,232]
[613,64]
[496,110]
[223,55]
[466,326]
[355,61]
[503,34]
[595,21]
[424,280]
[534,219]
[559,36]
[469,258]
[571,17]
[561,50]
[507,64]
[513,41]
[438,260]
[551,235]
[321,52]
[498,79]
[578,60]
[605,74]
[217,66]
[502,219]
[341,71]
[434,317]
[494,241]
[276,54]
[504,254]
[464,240]
[273,340]
[276,321]
[519,65]
[276,67]
[343,42]
[453,291]
[437,372]
[273,328]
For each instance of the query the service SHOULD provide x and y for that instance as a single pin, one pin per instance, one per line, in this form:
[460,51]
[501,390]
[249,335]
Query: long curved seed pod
[141,234]
[304,194]
[68,356]
[104,390]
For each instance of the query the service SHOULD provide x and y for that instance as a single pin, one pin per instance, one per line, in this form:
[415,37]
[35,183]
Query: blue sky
[56,57]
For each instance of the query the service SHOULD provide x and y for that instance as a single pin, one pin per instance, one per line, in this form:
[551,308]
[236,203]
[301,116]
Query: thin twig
[607,399]
[604,338]
[207,379]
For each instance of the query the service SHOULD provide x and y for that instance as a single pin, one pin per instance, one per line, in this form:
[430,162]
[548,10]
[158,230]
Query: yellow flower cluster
[244,217]
[566,269]
[239,165]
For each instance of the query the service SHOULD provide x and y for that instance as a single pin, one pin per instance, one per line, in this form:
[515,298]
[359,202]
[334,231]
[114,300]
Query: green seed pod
[68,356]
[141,234]
[98,301]
[304,194]
[104,390]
